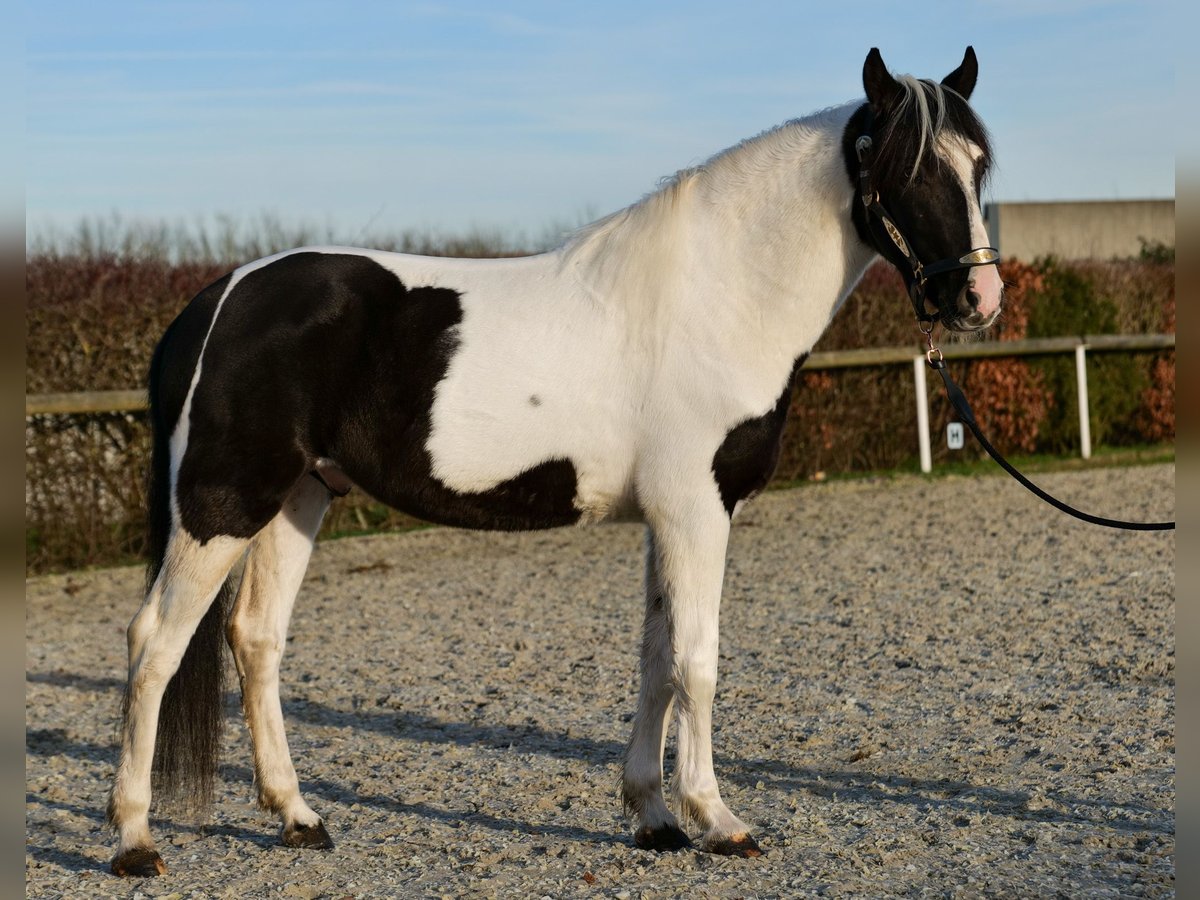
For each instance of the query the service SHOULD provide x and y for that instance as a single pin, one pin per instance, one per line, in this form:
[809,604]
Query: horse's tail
[189,720]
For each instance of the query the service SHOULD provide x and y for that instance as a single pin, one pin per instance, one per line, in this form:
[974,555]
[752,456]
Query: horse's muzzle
[969,316]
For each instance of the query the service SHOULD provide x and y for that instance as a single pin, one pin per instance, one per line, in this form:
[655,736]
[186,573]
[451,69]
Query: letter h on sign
[954,436]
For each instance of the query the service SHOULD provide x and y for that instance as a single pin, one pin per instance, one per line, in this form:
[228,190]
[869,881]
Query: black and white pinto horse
[640,371]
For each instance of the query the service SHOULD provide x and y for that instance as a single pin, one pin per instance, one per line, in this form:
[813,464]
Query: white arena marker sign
[954,436]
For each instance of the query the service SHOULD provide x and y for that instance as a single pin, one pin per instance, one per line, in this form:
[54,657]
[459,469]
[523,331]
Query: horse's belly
[542,496]
[557,472]
[514,400]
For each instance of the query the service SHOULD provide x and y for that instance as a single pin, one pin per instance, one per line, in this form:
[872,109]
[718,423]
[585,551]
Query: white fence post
[922,413]
[1085,427]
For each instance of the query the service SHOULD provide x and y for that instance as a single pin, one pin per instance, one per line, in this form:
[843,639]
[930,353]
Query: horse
[640,371]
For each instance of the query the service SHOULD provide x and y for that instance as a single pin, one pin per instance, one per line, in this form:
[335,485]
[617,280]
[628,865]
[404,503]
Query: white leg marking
[692,559]
[642,784]
[257,633]
[159,634]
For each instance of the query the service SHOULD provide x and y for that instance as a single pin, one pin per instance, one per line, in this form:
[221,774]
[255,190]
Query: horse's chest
[748,455]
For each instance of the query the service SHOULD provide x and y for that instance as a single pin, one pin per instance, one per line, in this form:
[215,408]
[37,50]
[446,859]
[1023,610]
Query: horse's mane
[643,220]
[925,114]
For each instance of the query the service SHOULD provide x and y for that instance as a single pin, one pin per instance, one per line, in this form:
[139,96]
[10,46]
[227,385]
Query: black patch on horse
[325,356]
[747,458]
[170,377]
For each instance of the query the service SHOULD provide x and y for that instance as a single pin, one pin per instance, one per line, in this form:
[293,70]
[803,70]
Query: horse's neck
[777,223]
[758,242]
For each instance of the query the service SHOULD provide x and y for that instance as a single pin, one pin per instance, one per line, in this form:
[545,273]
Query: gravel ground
[928,688]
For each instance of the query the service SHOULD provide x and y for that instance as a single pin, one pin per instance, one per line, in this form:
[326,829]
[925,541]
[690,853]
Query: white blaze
[984,280]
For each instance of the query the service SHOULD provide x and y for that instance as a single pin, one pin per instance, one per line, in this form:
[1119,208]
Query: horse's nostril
[968,302]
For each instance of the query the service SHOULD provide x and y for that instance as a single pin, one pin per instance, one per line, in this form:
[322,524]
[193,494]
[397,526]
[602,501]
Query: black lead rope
[959,401]
[921,273]
[980,256]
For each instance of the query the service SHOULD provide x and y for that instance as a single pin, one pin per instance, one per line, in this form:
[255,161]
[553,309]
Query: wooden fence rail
[84,403]
[99,402]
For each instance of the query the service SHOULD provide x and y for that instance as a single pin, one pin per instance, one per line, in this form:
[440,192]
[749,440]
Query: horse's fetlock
[692,811]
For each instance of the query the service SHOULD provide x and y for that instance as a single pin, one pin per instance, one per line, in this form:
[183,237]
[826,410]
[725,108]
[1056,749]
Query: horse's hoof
[140,862]
[664,837]
[307,837]
[742,845]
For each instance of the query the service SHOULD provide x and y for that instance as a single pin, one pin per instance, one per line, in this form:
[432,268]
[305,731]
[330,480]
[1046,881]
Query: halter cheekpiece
[980,256]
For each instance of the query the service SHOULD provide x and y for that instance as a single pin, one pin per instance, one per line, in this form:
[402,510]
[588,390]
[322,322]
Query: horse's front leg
[692,563]
[655,827]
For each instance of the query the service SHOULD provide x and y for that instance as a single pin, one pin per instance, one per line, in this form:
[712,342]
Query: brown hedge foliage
[1008,397]
[84,490]
[92,322]
[1156,416]
[93,319]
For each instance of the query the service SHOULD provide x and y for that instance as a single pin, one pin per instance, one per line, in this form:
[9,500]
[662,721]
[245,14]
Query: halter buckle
[863,146]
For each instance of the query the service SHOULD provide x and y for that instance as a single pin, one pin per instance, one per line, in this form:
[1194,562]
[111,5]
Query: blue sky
[378,117]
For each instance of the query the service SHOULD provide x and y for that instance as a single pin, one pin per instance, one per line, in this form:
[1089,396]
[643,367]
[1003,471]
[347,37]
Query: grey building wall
[1082,229]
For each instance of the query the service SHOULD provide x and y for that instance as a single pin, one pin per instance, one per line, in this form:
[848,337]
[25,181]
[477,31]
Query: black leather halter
[921,272]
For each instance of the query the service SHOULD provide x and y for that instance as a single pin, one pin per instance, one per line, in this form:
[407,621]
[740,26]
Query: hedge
[93,319]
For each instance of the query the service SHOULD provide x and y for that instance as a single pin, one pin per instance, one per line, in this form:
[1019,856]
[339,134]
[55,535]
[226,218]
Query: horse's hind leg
[257,633]
[655,828]
[187,583]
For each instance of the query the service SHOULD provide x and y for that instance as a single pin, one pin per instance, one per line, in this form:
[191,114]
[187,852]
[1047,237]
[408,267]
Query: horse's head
[918,156]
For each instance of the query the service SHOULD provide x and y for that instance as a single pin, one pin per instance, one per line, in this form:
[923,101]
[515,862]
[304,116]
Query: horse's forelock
[925,113]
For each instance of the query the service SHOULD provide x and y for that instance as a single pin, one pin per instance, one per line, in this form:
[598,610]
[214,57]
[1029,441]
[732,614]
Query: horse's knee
[251,631]
[153,659]
[695,679]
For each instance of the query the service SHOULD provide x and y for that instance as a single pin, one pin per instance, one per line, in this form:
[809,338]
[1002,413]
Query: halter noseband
[980,256]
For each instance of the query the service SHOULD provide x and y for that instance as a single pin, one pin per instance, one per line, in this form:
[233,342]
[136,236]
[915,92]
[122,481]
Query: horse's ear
[962,79]
[878,82]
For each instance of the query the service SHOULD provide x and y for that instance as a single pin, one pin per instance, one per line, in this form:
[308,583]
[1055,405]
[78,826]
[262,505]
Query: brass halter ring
[926,328]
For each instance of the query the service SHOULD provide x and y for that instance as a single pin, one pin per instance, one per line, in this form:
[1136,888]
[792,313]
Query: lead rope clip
[935,362]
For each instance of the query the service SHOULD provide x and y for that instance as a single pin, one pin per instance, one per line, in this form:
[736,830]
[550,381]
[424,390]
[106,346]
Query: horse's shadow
[872,787]
[70,860]
[866,787]
[64,859]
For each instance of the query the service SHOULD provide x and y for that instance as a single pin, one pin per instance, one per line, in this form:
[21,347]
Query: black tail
[189,721]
